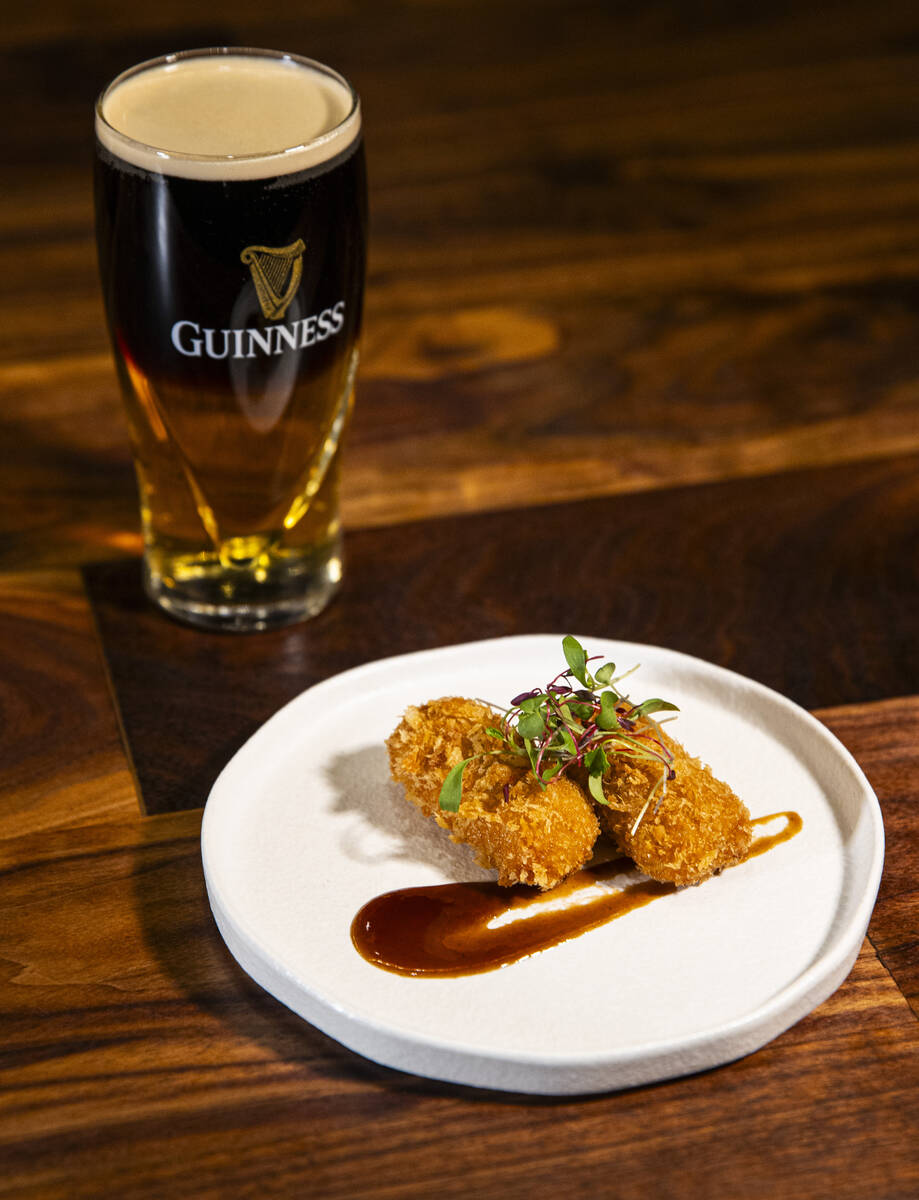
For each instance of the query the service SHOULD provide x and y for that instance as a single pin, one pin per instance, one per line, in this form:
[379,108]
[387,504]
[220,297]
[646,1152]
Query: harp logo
[276,272]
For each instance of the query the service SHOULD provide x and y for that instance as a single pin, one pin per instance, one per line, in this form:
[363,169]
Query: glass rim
[177,56]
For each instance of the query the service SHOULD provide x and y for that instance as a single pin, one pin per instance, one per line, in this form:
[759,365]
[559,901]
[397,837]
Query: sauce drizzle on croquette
[453,929]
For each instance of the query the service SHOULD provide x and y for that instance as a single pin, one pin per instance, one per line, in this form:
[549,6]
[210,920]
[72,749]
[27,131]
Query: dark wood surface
[640,361]
[725,571]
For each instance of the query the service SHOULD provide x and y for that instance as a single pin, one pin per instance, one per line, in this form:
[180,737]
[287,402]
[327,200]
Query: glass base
[236,601]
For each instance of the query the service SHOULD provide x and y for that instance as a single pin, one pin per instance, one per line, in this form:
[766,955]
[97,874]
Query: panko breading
[699,827]
[539,834]
[429,740]
[527,833]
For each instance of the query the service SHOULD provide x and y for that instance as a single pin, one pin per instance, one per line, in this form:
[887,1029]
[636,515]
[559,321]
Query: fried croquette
[430,739]
[698,827]
[539,834]
[528,833]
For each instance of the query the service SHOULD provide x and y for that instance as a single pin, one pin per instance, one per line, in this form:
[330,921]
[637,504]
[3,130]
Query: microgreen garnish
[580,719]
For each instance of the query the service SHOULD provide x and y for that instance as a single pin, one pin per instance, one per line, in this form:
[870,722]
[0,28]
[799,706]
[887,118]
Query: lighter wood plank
[884,737]
[127,1024]
[62,762]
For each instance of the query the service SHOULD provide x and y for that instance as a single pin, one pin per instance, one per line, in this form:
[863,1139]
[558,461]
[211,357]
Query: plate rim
[562,1072]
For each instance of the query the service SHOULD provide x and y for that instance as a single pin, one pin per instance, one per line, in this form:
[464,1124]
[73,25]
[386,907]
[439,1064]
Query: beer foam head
[228,114]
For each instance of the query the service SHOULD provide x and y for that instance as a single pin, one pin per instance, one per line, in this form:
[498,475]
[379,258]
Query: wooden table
[641,360]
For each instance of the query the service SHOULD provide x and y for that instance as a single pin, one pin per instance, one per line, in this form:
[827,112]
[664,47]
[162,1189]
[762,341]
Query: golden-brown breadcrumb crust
[539,835]
[698,827]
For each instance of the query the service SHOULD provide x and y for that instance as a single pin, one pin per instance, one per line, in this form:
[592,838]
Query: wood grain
[724,571]
[639,360]
[61,756]
[660,248]
[137,1054]
[871,732]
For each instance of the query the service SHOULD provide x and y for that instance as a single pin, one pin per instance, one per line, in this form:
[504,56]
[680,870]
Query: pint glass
[231,230]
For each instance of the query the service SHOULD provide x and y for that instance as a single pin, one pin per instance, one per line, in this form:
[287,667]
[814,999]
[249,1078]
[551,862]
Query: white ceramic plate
[304,826]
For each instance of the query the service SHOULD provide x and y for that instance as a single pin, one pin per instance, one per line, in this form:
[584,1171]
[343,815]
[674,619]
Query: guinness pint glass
[231,228]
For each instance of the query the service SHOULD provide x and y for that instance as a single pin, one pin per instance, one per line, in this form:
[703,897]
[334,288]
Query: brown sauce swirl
[446,929]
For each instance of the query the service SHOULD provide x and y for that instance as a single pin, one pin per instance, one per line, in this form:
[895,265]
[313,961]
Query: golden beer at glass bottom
[231,229]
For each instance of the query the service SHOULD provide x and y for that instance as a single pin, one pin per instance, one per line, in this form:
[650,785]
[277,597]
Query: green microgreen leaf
[576,658]
[606,717]
[595,787]
[451,790]
[567,740]
[651,706]
[596,761]
[563,727]
[530,726]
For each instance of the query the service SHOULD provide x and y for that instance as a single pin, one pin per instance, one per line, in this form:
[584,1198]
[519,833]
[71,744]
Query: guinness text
[191,340]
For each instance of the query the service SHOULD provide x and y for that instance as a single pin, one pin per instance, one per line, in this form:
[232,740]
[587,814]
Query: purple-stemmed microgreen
[579,720]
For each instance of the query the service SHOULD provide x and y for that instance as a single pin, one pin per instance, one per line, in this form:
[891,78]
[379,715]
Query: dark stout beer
[231,223]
